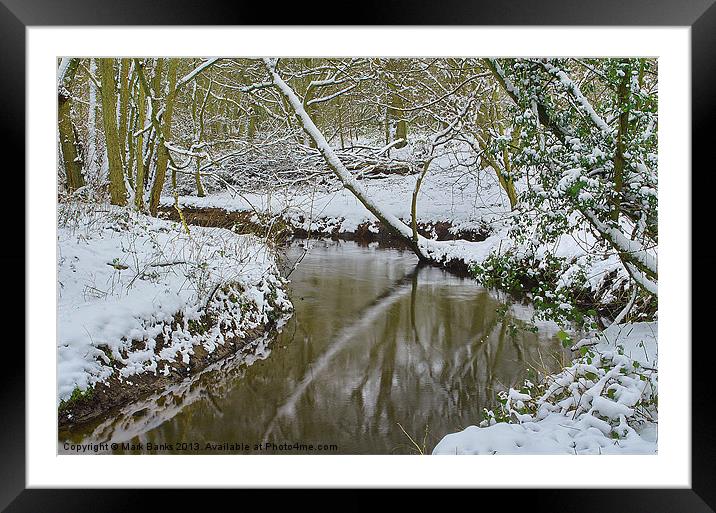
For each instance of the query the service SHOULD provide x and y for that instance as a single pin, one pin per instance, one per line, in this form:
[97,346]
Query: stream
[382,356]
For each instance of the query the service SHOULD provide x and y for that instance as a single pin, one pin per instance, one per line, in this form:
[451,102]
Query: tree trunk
[71,158]
[503,173]
[398,126]
[117,190]
[141,119]
[92,161]
[164,136]
[123,113]
[623,102]
[414,204]
[253,122]
[155,94]
[199,134]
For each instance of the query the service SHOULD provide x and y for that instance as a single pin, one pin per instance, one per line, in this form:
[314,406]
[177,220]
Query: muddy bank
[116,392]
[324,228]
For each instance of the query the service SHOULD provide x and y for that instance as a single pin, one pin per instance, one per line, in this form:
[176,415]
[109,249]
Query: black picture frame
[700,15]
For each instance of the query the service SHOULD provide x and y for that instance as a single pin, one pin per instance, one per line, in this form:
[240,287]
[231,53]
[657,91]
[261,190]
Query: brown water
[379,351]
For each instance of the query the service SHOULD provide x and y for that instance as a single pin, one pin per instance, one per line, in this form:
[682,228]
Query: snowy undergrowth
[137,294]
[573,280]
[605,402]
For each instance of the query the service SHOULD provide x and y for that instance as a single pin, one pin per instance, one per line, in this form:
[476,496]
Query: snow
[635,250]
[189,76]
[638,341]
[556,434]
[139,417]
[602,391]
[62,72]
[123,278]
[571,86]
[445,195]
[466,251]
[132,289]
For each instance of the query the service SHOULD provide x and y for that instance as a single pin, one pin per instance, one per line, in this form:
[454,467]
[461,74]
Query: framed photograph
[422,253]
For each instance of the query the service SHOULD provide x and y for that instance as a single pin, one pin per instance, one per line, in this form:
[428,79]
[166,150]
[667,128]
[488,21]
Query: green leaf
[564,338]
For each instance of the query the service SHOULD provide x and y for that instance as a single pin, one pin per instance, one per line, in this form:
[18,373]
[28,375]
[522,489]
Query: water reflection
[375,341]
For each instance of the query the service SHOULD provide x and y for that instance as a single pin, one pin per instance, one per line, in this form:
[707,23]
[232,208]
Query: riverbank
[143,304]
[452,203]
[108,246]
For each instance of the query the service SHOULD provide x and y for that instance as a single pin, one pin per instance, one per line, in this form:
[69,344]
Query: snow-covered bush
[605,389]
[604,402]
[541,280]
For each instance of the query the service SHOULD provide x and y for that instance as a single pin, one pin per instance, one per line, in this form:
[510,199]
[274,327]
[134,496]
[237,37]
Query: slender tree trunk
[308,95]
[395,114]
[199,120]
[123,113]
[253,122]
[156,88]
[141,119]
[92,163]
[485,120]
[131,128]
[166,135]
[71,157]
[117,190]
[503,174]
[340,122]
[414,204]
[506,179]
[623,97]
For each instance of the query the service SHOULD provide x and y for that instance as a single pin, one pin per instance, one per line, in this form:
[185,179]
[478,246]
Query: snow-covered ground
[137,294]
[446,194]
[603,403]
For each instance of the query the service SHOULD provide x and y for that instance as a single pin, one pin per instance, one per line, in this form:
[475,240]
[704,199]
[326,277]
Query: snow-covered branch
[335,163]
[573,88]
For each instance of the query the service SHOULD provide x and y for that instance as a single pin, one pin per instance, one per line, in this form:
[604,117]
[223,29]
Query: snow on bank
[445,195]
[139,417]
[604,403]
[138,294]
